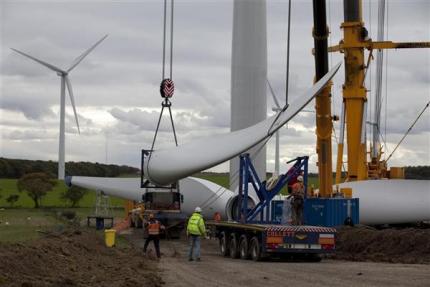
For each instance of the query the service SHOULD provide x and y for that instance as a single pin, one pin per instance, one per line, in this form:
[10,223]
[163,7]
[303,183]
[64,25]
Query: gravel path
[215,270]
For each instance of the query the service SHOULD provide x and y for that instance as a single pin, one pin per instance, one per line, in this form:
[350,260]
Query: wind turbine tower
[65,81]
[248,77]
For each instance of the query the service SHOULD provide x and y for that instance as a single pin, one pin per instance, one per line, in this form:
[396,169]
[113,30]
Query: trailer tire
[224,244]
[243,247]
[234,246]
[314,258]
[255,249]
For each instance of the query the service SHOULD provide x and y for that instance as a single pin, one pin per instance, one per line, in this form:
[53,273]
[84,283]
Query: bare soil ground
[406,245]
[78,257]
[74,258]
[215,270]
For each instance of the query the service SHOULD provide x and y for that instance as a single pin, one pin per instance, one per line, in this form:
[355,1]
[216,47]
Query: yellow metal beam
[354,94]
[369,45]
[339,163]
[324,131]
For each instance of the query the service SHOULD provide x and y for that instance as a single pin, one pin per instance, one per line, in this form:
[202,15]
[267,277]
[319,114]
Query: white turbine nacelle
[65,82]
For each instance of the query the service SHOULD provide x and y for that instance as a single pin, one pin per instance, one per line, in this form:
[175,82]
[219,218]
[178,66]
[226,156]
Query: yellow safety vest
[196,224]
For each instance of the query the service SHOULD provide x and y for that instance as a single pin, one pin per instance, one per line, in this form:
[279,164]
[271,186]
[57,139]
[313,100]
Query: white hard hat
[198,209]
[300,178]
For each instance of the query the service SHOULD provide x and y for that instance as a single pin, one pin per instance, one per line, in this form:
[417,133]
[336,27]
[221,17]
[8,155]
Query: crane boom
[323,101]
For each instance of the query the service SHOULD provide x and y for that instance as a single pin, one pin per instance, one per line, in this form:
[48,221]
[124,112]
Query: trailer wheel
[243,247]
[223,244]
[234,246]
[313,257]
[255,249]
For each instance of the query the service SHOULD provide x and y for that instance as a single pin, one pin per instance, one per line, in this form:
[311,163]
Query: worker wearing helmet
[297,203]
[153,227]
[195,229]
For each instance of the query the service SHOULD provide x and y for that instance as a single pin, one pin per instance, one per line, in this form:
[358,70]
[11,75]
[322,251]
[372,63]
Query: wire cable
[288,53]
[370,69]
[386,83]
[409,129]
[164,40]
[171,39]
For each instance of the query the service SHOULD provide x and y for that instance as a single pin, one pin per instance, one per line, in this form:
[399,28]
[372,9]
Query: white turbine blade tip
[273,94]
[83,55]
[49,66]
[72,100]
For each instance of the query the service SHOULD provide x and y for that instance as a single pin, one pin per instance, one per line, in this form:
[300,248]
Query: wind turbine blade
[58,70]
[273,94]
[192,157]
[81,57]
[72,100]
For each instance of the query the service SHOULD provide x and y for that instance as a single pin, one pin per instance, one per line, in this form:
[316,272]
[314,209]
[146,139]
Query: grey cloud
[147,120]
[29,135]
[32,109]
[124,72]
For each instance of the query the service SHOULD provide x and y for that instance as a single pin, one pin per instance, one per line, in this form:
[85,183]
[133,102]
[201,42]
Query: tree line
[16,168]
[417,172]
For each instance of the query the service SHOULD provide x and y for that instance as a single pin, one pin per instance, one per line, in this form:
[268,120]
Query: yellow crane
[355,41]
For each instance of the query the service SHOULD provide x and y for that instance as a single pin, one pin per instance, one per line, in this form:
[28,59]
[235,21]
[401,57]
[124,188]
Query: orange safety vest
[217,216]
[154,228]
[298,188]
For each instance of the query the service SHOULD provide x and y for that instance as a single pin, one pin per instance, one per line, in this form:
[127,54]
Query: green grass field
[22,224]
[52,199]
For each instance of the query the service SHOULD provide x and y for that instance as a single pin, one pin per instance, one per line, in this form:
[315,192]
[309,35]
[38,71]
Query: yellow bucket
[110,237]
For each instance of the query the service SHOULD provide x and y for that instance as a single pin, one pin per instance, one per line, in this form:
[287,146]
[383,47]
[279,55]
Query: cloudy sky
[117,86]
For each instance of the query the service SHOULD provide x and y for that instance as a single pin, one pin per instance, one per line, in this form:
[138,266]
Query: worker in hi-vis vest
[298,201]
[153,227]
[195,229]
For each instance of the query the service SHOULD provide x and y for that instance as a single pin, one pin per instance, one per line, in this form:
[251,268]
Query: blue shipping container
[331,211]
[277,207]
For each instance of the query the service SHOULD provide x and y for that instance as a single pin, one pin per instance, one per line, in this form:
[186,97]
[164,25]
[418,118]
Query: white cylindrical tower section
[248,77]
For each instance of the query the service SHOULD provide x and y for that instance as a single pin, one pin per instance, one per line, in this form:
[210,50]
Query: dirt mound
[74,258]
[409,245]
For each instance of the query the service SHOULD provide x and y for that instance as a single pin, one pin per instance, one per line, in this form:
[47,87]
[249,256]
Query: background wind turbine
[65,81]
[276,109]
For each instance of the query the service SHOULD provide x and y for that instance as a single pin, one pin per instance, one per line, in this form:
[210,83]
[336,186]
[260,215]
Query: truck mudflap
[299,239]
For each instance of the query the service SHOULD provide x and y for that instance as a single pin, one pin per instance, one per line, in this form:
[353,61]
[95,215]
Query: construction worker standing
[298,193]
[195,229]
[153,227]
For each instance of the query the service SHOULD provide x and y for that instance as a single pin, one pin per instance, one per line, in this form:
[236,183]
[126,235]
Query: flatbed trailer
[258,241]
[256,234]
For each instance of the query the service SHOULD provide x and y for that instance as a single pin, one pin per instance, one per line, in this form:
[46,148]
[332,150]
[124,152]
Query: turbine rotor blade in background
[273,94]
[49,66]
[81,57]
[72,100]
